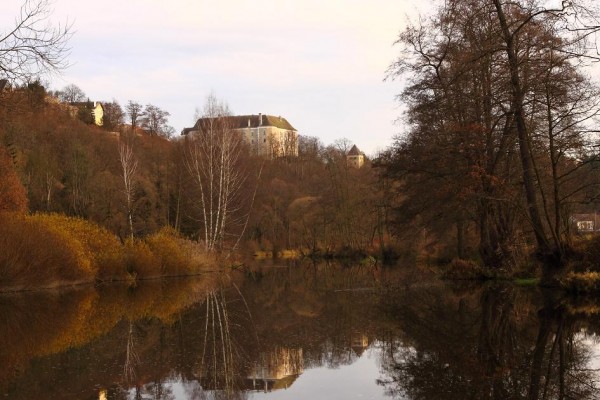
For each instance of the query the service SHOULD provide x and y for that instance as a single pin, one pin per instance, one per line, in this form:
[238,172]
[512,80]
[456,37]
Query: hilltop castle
[267,135]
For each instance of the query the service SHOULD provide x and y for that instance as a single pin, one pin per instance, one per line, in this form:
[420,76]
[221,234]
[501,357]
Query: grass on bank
[50,250]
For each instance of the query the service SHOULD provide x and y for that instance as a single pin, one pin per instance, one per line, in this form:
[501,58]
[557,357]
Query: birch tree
[129,168]
[213,158]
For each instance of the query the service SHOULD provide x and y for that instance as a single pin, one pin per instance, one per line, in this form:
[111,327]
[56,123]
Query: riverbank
[580,273]
[50,250]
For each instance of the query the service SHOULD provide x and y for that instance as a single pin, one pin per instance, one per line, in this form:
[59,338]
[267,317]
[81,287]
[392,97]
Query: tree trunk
[543,246]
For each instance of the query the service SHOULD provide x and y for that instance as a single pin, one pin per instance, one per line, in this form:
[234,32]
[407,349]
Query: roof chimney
[259,119]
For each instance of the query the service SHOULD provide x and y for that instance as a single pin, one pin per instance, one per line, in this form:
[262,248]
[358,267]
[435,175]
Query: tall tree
[491,105]
[71,94]
[155,121]
[129,166]
[113,115]
[134,113]
[559,31]
[13,196]
[213,157]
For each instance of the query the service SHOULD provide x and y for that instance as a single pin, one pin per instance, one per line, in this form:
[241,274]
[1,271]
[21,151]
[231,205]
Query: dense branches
[33,46]
[213,156]
[498,115]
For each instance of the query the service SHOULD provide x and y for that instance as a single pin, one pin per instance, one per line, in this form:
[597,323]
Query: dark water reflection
[300,332]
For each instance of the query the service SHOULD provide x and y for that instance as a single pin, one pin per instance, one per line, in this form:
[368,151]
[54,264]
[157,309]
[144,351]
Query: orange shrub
[45,250]
[165,253]
[166,248]
[140,260]
[31,255]
[94,245]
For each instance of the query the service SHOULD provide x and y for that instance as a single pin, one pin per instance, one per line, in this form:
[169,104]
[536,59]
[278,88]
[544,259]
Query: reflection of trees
[219,359]
[486,347]
[560,358]
[131,357]
[434,343]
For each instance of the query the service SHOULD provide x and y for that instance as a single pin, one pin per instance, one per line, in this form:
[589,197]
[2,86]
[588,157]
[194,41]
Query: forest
[124,184]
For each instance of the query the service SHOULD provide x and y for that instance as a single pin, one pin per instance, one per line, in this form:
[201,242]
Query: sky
[320,64]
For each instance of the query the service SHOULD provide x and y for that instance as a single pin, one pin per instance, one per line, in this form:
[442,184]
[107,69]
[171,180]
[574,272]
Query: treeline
[501,148]
[73,168]
[320,204]
[134,182]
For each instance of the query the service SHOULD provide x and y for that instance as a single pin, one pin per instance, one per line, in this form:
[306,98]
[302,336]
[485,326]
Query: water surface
[300,332]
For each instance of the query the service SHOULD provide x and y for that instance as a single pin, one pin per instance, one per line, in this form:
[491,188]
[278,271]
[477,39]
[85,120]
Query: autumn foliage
[48,250]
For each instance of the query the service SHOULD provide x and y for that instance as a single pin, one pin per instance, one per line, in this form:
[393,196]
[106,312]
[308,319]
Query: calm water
[300,332]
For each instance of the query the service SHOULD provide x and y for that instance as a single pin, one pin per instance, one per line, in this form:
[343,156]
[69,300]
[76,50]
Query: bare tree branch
[34,46]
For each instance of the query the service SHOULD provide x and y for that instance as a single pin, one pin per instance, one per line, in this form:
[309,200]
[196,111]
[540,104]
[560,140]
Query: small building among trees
[89,112]
[586,223]
[355,158]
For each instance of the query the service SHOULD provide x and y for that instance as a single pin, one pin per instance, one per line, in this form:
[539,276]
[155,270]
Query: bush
[165,253]
[587,254]
[166,246]
[33,255]
[140,261]
[95,246]
[47,250]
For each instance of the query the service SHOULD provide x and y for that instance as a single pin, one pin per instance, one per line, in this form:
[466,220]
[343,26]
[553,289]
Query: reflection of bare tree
[217,353]
[221,357]
[435,357]
[497,339]
[131,357]
[560,358]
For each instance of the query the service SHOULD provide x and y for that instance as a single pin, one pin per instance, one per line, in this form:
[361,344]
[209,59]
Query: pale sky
[318,63]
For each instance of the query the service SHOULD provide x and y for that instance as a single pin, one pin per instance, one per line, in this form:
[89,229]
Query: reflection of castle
[359,343]
[278,369]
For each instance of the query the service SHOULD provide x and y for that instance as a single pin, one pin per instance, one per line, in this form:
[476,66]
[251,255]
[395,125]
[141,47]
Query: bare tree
[71,94]
[155,121]
[496,101]
[33,46]
[134,111]
[113,115]
[129,167]
[213,156]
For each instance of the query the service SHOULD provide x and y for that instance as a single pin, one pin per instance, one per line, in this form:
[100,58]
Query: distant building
[88,112]
[355,158]
[586,223]
[267,135]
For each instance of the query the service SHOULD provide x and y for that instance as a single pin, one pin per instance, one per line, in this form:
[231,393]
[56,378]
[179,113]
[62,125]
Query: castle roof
[241,121]
[248,121]
[354,151]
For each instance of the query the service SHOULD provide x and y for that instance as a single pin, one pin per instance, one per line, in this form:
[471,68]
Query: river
[300,331]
